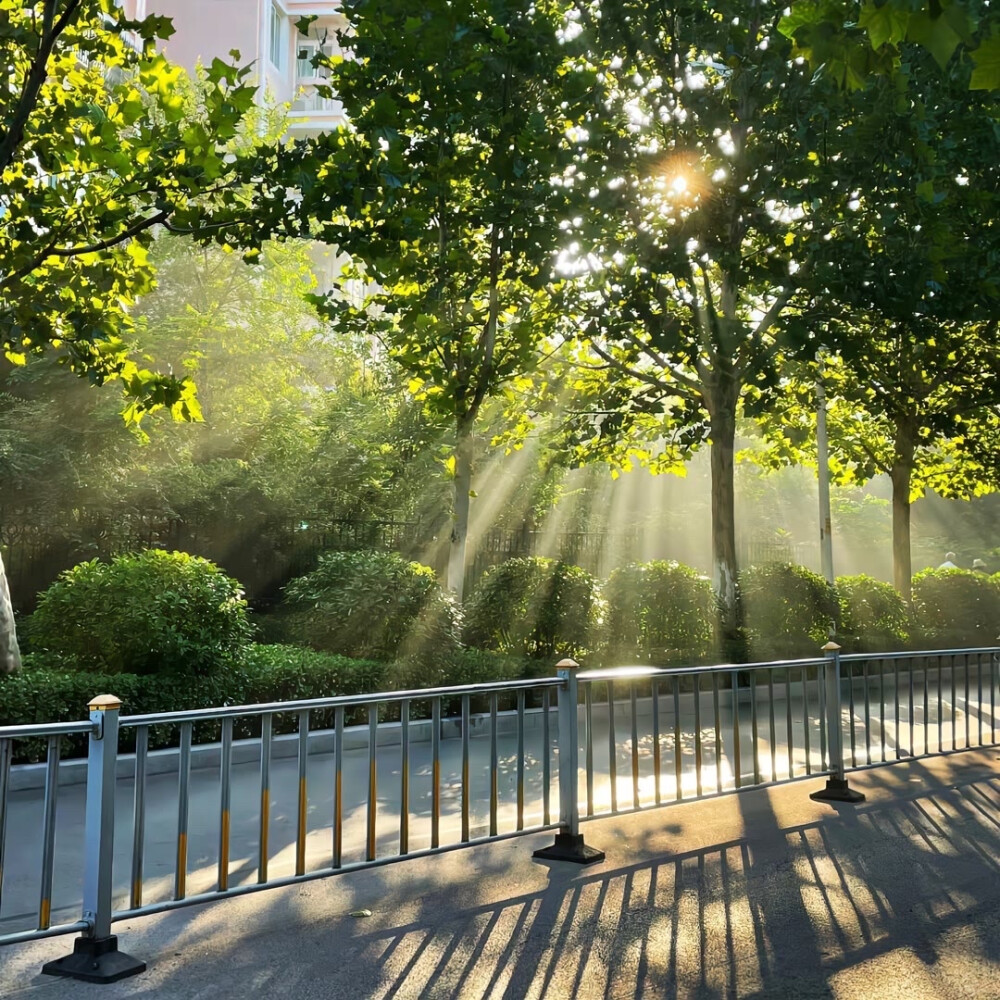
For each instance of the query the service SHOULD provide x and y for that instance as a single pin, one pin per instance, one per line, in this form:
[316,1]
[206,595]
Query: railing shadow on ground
[906,885]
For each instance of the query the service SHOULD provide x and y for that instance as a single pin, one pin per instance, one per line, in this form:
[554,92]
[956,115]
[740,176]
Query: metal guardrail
[688,734]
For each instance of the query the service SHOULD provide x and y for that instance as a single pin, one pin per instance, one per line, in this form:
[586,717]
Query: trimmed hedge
[533,606]
[788,611]
[38,693]
[658,613]
[145,613]
[873,617]
[373,605]
[956,608]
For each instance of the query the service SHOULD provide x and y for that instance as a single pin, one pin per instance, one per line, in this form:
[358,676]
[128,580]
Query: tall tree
[439,192]
[907,295]
[703,225]
[98,146]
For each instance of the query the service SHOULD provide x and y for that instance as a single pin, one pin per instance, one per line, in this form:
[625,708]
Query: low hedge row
[40,693]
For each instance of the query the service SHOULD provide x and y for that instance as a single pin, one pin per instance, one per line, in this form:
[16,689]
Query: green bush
[873,617]
[40,693]
[374,605]
[788,611]
[145,613]
[956,608]
[659,613]
[533,606]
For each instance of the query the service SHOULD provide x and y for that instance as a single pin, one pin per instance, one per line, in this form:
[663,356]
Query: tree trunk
[725,571]
[901,474]
[460,522]
[10,654]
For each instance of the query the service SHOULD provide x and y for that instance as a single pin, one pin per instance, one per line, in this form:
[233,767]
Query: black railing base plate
[570,847]
[837,790]
[95,960]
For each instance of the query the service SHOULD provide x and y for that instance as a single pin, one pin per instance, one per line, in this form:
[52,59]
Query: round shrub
[148,612]
[873,617]
[533,606]
[374,605]
[788,611]
[658,612]
[956,608]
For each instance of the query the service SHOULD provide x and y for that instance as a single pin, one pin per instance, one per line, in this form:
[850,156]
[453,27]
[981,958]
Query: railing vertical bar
[979,694]
[338,786]
[909,710]
[612,748]
[850,710]
[302,812]
[6,754]
[404,776]
[954,706]
[788,723]
[635,744]
[968,737]
[436,771]
[655,691]
[805,718]
[183,807]
[868,714]
[266,727]
[49,832]
[138,817]
[372,782]
[897,727]
[823,719]
[678,792]
[225,796]
[754,728]
[494,767]
[940,690]
[520,760]
[718,732]
[465,767]
[993,711]
[927,708]
[737,766]
[588,707]
[546,754]
[696,694]
[881,705]
[772,736]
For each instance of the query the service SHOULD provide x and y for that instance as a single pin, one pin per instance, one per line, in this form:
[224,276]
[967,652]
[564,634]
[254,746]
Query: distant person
[978,566]
[949,561]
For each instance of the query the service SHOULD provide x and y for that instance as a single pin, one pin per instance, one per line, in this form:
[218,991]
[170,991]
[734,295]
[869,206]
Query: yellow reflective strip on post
[181,865]
[265,829]
[44,914]
[224,856]
[300,846]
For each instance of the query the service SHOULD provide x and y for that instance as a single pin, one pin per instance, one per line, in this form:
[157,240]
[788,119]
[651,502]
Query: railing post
[569,845]
[95,957]
[836,789]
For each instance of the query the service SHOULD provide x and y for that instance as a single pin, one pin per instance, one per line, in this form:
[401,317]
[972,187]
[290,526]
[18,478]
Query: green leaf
[986,58]
[935,34]
[885,23]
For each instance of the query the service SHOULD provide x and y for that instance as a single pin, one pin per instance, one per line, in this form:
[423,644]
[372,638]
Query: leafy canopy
[101,140]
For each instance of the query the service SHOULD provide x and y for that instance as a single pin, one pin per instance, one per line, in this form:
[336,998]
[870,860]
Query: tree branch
[36,77]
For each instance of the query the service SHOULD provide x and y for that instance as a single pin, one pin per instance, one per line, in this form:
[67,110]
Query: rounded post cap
[104,702]
[567,664]
[831,647]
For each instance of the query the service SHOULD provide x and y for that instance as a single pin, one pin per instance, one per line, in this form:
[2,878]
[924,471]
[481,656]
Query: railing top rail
[341,701]
[914,654]
[637,672]
[46,729]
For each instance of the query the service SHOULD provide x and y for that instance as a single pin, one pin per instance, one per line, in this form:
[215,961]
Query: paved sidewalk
[760,895]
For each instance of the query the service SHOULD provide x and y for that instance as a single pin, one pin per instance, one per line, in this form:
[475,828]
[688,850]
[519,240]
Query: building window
[277,38]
